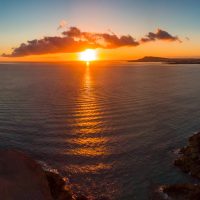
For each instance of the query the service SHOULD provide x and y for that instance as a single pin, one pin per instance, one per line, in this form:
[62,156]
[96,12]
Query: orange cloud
[74,40]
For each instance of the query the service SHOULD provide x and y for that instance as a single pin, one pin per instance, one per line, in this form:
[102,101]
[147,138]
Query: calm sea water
[111,127]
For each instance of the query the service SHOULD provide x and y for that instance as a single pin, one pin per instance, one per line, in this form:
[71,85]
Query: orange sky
[124,18]
[162,49]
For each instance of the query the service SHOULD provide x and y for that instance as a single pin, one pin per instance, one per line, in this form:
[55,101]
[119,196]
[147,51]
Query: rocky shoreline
[189,162]
[22,178]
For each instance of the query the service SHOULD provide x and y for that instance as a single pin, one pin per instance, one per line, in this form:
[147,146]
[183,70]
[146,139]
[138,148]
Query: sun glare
[88,55]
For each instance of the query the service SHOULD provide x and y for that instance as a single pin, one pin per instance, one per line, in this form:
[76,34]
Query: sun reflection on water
[87,141]
[87,169]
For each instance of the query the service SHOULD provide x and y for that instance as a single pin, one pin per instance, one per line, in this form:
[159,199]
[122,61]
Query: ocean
[110,127]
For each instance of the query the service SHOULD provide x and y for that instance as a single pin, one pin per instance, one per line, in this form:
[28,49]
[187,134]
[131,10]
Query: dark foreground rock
[57,186]
[178,192]
[22,178]
[188,162]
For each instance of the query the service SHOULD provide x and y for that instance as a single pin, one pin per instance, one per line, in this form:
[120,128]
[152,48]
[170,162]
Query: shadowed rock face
[189,161]
[21,178]
[177,192]
[183,191]
[58,188]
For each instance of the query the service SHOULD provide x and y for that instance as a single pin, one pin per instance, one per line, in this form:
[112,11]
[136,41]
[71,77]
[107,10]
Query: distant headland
[168,60]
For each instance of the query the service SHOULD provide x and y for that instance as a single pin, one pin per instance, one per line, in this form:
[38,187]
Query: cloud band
[74,40]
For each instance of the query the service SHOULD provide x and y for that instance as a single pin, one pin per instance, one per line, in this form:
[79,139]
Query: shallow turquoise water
[110,127]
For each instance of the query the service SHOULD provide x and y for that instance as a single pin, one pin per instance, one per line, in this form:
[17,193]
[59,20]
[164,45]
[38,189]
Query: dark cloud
[113,41]
[104,40]
[160,35]
[72,32]
[50,45]
[75,40]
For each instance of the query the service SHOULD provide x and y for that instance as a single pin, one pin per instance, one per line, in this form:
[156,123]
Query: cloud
[103,40]
[62,24]
[74,40]
[110,31]
[187,38]
[160,35]
[49,45]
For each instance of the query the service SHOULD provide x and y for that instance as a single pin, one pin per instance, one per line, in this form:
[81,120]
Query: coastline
[149,59]
[188,162]
[21,177]
[17,167]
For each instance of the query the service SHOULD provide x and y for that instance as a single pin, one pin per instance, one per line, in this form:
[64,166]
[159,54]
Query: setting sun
[88,55]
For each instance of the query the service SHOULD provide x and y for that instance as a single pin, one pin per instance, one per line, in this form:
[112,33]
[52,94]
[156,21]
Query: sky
[110,22]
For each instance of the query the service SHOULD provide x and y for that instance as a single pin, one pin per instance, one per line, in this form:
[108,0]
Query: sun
[88,55]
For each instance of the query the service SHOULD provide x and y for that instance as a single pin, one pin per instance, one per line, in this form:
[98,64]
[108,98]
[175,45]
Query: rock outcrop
[188,162]
[58,188]
[183,191]
[178,192]
[22,178]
